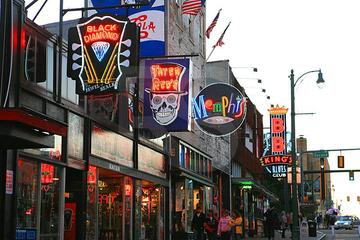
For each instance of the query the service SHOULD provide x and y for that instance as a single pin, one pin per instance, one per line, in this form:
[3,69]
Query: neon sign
[278,129]
[166,96]
[219,109]
[102,53]
[276,159]
[95,33]
[277,163]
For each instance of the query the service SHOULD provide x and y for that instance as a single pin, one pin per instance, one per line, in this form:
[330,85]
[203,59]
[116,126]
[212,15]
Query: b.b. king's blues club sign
[278,161]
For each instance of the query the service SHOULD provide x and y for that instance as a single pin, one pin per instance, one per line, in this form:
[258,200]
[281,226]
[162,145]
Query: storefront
[250,200]
[124,203]
[192,185]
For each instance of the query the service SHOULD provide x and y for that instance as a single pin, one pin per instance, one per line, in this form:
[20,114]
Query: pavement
[303,235]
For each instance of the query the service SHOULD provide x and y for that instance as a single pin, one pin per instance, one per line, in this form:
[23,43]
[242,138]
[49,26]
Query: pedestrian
[197,224]
[271,221]
[211,226]
[224,227]
[289,220]
[318,220]
[283,223]
[237,225]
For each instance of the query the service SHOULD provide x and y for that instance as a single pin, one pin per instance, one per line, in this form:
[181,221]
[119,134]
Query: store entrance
[149,211]
[114,205]
[74,204]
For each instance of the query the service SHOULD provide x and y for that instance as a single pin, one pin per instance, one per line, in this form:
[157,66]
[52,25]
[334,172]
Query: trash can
[312,228]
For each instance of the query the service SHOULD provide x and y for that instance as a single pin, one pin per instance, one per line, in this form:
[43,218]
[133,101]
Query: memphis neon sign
[219,109]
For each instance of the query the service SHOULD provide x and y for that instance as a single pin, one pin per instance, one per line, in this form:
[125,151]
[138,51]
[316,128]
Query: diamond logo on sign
[100,49]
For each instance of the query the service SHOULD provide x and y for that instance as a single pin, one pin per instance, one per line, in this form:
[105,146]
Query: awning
[253,184]
[20,128]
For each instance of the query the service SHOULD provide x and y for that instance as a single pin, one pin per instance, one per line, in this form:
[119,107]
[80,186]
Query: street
[342,234]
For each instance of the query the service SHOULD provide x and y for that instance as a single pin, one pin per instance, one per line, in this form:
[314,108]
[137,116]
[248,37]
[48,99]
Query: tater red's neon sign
[165,77]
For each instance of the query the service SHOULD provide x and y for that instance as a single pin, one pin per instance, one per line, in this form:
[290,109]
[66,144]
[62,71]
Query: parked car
[345,222]
[356,221]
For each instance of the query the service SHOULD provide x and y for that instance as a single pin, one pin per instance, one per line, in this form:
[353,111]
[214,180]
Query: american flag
[192,7]
[212,25]
[220,42]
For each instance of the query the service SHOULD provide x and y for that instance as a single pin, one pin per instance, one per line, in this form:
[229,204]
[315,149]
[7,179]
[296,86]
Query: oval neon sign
[219,109]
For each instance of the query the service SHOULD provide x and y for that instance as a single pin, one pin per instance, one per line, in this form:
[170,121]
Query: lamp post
[294,201]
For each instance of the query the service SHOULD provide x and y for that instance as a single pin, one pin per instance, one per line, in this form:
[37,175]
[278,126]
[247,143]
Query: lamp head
[320,82]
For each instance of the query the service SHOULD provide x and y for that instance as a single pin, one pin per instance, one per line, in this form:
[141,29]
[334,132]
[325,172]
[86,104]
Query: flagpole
[210,53]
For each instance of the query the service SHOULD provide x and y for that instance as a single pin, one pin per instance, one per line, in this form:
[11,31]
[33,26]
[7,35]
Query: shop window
[50,197]
[75,136]
[205,167]
[149,213]
[209,169]
[48,84]
[197,162]
[189,198]
[35,57]
[151,161]
[26,187]
[52,153]
[91,206]
[180,206]
[201,165]
[181,156]
[68,86]
[192,160]
[187,158]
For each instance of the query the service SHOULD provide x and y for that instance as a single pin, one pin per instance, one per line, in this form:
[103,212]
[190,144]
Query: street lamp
[320,81]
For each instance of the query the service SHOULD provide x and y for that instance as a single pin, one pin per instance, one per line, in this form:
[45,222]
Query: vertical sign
[102,53]
[167,94]
[149,17]
[277,162]
[278,130]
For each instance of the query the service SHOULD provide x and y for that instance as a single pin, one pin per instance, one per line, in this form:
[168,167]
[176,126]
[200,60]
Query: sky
[279,35]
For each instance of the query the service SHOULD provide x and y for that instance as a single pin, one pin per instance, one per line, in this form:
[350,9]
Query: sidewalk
[303,235]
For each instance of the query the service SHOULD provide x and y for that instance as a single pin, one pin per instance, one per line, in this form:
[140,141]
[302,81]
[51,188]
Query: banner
[102,52]
[150,19]
[166,94]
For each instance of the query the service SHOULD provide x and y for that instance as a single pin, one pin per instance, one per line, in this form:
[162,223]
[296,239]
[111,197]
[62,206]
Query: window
[358,198]
[38,199]
[348,198]
[50,201]
[26,194]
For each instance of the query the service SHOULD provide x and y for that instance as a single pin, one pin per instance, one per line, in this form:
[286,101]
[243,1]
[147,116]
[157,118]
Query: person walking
[283,223]
[271,221]
[318,220]
[197,224]
[211,226]
[224,227]
[238,227]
